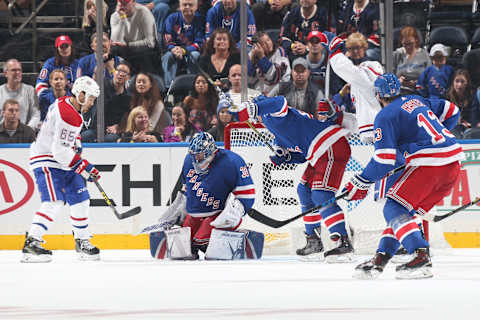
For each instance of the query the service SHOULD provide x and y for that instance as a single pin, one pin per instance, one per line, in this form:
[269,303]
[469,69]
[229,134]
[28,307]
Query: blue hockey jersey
[296,27]
[417,128]
[179,33]
[208,193]
[434,82]
[217,19]
[298,131]
[87,64]
[49,66]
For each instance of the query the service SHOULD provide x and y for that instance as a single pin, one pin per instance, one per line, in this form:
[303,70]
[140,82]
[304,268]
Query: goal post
[276,193]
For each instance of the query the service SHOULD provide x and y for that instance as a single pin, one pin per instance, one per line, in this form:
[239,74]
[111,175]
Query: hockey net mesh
[276,193]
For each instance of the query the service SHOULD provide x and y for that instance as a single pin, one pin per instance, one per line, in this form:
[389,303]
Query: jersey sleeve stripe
[283,111]
[449,110]
[324,135]
[436,158]
[244,192]
[244,187]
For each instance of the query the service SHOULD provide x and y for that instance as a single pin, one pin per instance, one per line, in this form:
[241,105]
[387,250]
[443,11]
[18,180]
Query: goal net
[276,194]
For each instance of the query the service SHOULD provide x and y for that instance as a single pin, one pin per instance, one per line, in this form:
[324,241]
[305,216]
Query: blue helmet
[387,85]
[202,149]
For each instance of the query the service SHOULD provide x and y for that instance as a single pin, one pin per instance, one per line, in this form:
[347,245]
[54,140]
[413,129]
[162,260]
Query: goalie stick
[268,221]
[471,203]
[221,94]
[108,201]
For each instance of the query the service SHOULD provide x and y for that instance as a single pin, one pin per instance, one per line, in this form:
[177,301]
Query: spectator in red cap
[64,59]
[317,61]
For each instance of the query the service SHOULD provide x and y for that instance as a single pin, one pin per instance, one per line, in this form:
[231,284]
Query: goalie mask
[202,149]
[87,85]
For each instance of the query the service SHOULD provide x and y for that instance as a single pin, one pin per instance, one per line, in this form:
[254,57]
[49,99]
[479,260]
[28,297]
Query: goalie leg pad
[158,245]
[179,245]
[235,245]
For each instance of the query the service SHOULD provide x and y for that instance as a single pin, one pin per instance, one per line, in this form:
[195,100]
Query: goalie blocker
[223,245]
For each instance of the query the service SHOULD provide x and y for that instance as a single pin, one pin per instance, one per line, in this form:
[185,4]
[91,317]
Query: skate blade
[420,273]
[88,257]
[366,275]
[314,257]
[34,258]
[401,259]
[340,258]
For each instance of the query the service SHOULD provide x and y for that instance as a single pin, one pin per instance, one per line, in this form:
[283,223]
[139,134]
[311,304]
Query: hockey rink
[129,284]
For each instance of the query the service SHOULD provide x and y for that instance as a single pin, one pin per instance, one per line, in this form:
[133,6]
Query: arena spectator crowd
[149,44]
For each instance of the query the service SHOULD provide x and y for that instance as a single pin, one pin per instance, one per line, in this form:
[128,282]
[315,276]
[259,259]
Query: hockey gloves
[336,46]
[284,156]
[357,188]
[176,212]
[246,111]
[86,170]
[231,216]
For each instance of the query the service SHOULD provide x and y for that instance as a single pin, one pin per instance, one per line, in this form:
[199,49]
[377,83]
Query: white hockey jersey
[361,79]
[54,144]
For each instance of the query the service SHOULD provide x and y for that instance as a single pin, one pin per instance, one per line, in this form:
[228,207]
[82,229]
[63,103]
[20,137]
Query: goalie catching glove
[176,212]
[231,216]
[357,188]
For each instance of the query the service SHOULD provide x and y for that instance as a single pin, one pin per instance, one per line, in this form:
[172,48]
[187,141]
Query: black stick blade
[130,213]
[260,217]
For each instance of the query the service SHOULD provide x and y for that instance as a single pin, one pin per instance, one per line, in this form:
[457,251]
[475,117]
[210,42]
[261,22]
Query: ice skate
[313,250]
[372,268]
[343,253]
[401,256]
[33,252]
[418,268]
[86,251]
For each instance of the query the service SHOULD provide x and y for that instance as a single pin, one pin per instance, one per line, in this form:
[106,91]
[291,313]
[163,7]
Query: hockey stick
[154,228]
[260,217]
[120,216]
[471,203]
[221,94]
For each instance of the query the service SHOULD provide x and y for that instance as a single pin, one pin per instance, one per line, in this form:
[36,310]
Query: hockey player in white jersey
[417,128]
[361,78]
[218,192]
[59,171]
[301,138]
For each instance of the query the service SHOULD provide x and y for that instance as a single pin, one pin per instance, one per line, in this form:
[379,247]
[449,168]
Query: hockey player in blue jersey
[417,128]
[301,138]
[218,192]
[226,14]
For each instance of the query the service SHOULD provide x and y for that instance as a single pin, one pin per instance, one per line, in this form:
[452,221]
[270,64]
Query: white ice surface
[129,284]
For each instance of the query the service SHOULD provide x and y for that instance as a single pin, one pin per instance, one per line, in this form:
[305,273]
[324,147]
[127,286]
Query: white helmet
[87,85]
[372,69]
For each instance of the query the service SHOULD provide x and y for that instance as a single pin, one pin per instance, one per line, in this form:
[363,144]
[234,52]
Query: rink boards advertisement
[145,175]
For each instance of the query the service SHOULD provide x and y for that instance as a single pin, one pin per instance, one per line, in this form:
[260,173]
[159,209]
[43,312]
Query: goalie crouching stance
[218,191]
[301,138]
